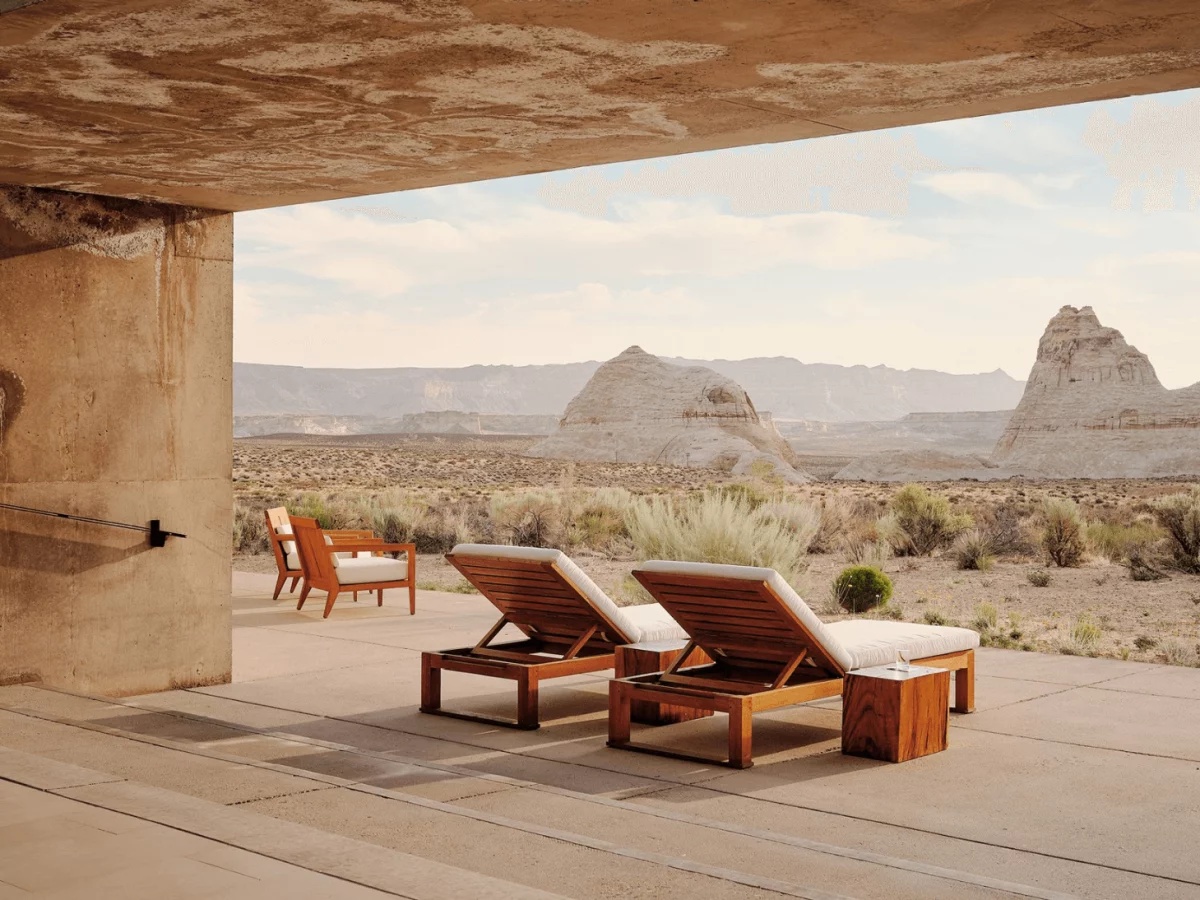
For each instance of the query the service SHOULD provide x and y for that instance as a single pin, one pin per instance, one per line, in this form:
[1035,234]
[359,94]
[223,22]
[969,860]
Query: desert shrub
[861,588]
[1038,578]
[1179,516]
[1005,531]
[973,550]
[801,519]
[330,512]
[933,617]
[393,516]
[868,553]
[986,617]
[714,527]
[249,530]
[1115,542]
[529,518]
[1082,639]
[919,522]
[598,519]
[1063,535]
[1142,565]
[1145,642]
[1177,653]
[844,520]
[752,495]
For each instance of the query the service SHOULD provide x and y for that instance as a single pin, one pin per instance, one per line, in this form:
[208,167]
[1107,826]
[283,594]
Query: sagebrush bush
[1038,578]
[844,520]
[249,530]
[393,516]
[598,522]
[868,553]
[973,550]
[530,518]
[1063,535]
[1177,653]
[714,527]
[1115,542]
[919,522]
[331,512]
[861,588]
[1082,639]
[1004,528]
[1179,516]
[802,519]
[986,617]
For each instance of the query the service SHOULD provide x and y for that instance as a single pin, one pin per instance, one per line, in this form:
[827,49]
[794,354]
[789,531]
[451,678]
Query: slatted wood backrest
[314,552]
[735,620]
[536,597]
[277,518]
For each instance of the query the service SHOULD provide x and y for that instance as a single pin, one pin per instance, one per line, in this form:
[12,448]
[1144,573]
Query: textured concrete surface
[1076,778]
[115,402]
[233,105]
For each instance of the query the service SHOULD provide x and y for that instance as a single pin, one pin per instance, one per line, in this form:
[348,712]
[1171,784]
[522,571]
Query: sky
[945,246]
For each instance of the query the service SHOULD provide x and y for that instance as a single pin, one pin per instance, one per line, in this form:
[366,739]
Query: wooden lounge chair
[287,554]
[769,650]
[569,625]
[325,568]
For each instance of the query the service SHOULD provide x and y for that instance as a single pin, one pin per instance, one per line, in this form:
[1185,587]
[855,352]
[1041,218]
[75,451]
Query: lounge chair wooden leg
[279,582]
[329,601]
[527,699]
[356,596]
[295,581]
[964,686]
[304,595]
[619,712]
[380,597]
[431,684]
[740,735]
[412,599]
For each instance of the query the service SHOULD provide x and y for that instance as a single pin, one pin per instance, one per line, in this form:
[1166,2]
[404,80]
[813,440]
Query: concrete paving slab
[1134,722]
[837,830]
[1162,681]
[1055,669]
[1089,805]
[269,653]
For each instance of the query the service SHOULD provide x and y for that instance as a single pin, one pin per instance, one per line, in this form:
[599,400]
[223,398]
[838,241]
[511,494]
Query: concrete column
[116,323]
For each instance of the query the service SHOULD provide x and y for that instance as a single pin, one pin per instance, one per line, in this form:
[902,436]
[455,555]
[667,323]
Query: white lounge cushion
[782,589]
[289,547]
[658,623]
[292,560]
[874,642]
[369,569]
[654,623]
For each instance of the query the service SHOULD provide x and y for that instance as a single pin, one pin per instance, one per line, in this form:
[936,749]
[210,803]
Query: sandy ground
[1032,618]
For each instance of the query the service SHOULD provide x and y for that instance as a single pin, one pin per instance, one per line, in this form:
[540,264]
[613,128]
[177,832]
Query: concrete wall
[116,403]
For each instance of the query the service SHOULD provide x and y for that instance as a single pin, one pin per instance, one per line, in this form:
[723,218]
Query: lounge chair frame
[564,635]
[764,657]
[316,558]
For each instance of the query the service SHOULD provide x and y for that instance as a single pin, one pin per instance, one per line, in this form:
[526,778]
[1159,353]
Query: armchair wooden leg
[431,684]
[964,686]
[740,736]
[295,581]
[304,595]
[412,598]
[329,601]
[356,596]
[527,699]
[619,712]
[380,597]
[279,582]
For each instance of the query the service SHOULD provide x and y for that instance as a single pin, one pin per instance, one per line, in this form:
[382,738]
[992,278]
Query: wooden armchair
[287,553]
[325,569]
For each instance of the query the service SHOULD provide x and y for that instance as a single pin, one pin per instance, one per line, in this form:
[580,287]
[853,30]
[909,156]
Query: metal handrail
[158,537]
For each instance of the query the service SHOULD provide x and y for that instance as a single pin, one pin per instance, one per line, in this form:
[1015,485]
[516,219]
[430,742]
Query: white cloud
[972,187]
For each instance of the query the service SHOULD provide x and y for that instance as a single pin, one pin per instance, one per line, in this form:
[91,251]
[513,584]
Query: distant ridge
[785,387]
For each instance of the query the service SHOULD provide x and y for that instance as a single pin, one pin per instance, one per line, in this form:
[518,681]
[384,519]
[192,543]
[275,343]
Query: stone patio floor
[313,775]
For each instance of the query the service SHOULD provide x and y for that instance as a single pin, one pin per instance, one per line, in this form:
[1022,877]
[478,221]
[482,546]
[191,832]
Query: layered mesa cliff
[638,408]
[1094,408]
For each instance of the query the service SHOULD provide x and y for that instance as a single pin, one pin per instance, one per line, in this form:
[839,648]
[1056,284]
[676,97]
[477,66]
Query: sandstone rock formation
[638,408]
[1094,408]
[923,465]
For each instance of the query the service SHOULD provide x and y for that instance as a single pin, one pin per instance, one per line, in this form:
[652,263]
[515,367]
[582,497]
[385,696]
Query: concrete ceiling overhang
[239,104]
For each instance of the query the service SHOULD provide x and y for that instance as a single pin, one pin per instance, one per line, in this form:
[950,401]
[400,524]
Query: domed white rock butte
[1094,408]
[638,408]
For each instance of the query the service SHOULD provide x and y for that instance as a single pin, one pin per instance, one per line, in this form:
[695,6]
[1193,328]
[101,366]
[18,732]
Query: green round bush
[860,588]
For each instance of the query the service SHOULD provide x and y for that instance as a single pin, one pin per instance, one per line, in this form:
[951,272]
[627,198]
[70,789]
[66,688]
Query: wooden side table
[895,715]
[655,656]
